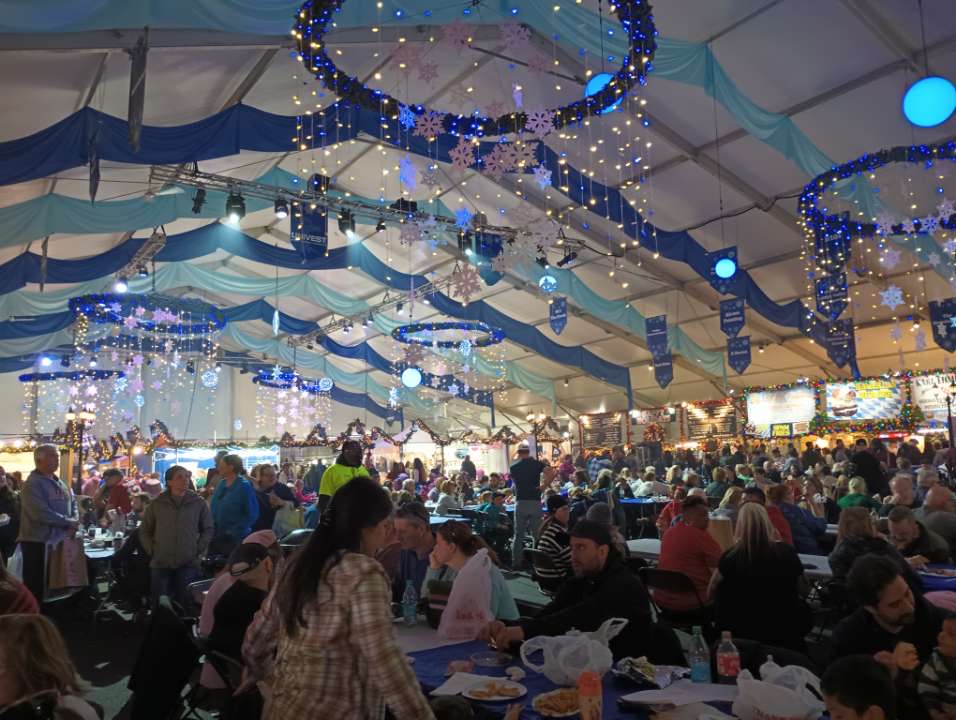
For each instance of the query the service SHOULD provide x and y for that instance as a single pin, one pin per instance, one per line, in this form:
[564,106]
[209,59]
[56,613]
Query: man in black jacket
[868,468]
[602,588]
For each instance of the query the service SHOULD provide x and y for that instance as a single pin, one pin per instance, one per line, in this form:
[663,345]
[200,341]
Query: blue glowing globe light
[929,102]
[596,84]
[725,268]
[411,377]
[548,283]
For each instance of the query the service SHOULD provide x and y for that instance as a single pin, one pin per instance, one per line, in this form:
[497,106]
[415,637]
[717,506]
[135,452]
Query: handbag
[66,565]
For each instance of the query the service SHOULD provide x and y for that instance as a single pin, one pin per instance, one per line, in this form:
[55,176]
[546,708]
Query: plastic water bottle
[699,658]
[410,604]
[728,660]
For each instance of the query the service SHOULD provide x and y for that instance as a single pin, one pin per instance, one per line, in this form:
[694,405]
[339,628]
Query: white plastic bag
[782,695]
[15,564]
[468,610]
[567,656]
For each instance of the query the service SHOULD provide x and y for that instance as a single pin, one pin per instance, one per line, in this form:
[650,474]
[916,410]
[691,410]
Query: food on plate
[557,703]
[494,689]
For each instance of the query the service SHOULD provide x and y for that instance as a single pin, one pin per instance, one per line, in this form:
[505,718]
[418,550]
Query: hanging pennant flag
[723,269]
[310,233]
[832,295]
[656,330]
[559,315]
[738,353]
[94,154]
[732,316]
[942,316]
[841,344]
[663,369]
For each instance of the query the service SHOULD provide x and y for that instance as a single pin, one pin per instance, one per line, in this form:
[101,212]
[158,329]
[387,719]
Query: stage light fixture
[281,208]
[235,208]
[569,257]
[142,271]
[346,222]
[121,285]
[199,199]
[380,225]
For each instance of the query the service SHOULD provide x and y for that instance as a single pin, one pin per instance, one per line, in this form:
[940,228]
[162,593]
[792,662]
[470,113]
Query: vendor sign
[781,407]
[870,399]
[929,395]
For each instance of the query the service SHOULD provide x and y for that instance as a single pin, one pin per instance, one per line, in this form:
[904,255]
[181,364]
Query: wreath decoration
[315,19]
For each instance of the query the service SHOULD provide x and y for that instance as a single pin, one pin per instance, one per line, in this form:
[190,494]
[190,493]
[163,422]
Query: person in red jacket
[779,522]
[113,494]
[15,598]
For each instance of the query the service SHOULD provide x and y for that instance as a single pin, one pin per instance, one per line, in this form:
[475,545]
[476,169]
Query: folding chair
[198,590]
[676,582]
[542,561]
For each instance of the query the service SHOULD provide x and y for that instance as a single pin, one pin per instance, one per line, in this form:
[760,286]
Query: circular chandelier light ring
[408,334]
[316,17]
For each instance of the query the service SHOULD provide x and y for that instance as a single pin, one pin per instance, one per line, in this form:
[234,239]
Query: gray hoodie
[175,532]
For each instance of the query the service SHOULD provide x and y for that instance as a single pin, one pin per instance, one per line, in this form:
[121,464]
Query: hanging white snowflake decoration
[542,176]
[462,155]
[919,340]
[946,209]
[934,259]
[892,297]
[928,224]
[466,282]
[406,118]
[456,35]
[950,246]
[891,258]
[427,72]
[502,262]
[413,354]
[515,35]
[896,333]
[884,224]
[409,233]
[431,178]
[408,173]
[539,122]
[463,217]
[429,125]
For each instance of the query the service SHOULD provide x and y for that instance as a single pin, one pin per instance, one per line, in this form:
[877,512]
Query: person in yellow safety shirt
[347,465]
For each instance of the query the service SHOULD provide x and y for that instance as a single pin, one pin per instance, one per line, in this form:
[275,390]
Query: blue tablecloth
[644,501]
[932,583]
[430,668]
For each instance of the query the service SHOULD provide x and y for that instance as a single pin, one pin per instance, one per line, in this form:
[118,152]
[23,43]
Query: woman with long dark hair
[325,631]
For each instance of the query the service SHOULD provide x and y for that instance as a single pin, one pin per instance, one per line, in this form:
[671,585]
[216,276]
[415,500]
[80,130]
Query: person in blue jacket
[805,527]
[235,506]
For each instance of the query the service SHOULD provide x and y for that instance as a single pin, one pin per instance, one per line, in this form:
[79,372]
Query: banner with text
[663,369]
[657,334]
[929,395]
[558,316]
[832,295]
[738,353]
[942,316]
[792,407]
[870,399]
[841,343]
[732,316]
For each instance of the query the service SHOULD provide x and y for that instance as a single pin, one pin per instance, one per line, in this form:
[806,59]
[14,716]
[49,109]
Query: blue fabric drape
[205,240]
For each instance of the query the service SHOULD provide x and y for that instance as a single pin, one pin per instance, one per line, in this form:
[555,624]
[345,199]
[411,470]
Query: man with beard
[897,629]
[347,465]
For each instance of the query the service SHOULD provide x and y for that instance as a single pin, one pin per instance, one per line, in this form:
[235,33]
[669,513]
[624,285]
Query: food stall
[781,412]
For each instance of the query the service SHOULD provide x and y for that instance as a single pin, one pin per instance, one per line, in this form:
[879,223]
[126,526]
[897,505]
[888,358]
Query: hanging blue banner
[942,316]
[732,316]
[559,314]
[723,269]
[656,329]
[738,353]
[832,295]
[310,233]
[663,369]
[841,344]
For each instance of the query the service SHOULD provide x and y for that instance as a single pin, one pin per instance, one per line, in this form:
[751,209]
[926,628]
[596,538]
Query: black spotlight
[281,208]
[199,199]
[380,225]
[346,221]
[191,367]
[142,271]
[244,370]
[409,207]
[235,207]
[569,257]
[65,361]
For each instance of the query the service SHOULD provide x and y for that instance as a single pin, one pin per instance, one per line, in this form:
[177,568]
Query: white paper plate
[469,693]
[573,713]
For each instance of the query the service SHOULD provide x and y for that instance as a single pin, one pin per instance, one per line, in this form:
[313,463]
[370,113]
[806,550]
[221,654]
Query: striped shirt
[555,542]
[345,662]
[937,686]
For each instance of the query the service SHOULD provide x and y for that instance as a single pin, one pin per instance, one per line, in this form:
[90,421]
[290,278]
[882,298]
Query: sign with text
[732,316]
[942,316]
[870,399]
[766,408]
[602,430]
[738,353]
[656,328]
[841,343]
[652,415]
[832,295]
[663,370]
[558,315]
[929,395]
[717,420]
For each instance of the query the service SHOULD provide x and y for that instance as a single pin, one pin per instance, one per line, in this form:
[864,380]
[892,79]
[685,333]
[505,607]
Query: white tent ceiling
[838,68]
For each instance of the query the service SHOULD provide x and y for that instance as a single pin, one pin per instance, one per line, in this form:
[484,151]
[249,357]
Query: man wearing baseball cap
[603,587]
